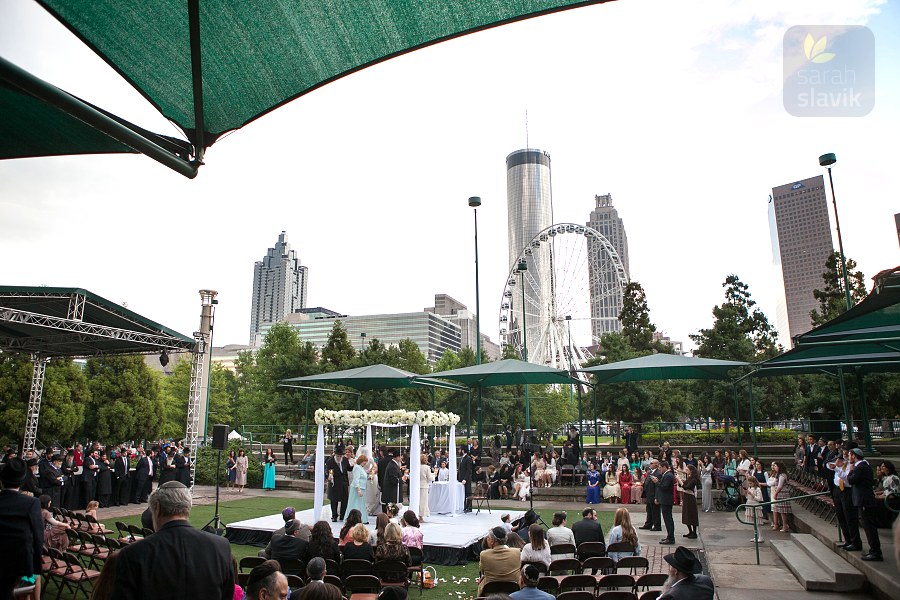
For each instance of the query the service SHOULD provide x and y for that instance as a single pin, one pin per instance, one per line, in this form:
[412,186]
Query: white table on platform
[439,502]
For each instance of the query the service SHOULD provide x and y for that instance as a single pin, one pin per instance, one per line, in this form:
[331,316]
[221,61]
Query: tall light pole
[572,372]
[475,202]
[826,160]
[523,266]
[362,342]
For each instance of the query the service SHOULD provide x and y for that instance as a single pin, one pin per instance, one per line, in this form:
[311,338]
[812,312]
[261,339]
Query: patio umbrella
[212,67]
[506,372]
[663,366]
[372,377]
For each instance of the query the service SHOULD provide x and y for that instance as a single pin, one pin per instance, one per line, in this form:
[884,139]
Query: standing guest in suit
[143,475]
[393,478]
[165,465]
[21,529]
[122,487]
[665,498]
[89,476]
[685,581]
[177,561]
[499,562]
[861,477]
[465,475]
[183,468]
[287,445]
[653,516]
[52,480]
[631,440]
[69,491]
[338,469]
[32,483]
[104,480]
[809,461]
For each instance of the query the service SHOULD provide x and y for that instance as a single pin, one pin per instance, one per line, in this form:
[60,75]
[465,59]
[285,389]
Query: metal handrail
[755,523]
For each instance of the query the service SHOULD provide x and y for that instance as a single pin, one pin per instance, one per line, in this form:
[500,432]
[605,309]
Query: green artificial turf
[456,582]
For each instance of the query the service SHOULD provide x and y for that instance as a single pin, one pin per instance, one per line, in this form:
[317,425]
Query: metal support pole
[845,404]
[306,425]
[197,79]
[837,224]
[199,388]
[34,401]
[737,413]
[475,202]
[525,346]
[596,428]
[864,410]
[752,418]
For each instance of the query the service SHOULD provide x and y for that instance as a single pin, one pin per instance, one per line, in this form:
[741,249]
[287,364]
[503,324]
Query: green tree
[635,318]
[832,298]
[176,390]
[282,356]
[125,403]
[338,353]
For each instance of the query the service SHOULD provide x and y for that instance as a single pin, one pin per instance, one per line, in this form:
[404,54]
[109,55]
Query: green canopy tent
[504,372]
[371,377]
[656,367]
[865,339]
[212,67]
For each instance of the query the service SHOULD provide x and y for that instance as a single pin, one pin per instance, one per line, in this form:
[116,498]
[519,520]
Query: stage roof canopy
[73,322]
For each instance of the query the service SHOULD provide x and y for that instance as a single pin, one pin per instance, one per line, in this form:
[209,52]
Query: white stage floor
[448,531]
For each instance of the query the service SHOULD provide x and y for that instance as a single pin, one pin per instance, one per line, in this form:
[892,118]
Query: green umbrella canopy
[506,372]
[663,366]
[827,358]
[372,377]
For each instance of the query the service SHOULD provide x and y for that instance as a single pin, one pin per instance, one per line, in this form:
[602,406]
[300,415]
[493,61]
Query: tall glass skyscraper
[605,308]
[529,203]
[279,287]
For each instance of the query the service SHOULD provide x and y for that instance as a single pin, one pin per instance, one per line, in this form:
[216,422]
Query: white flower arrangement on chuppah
[356,418]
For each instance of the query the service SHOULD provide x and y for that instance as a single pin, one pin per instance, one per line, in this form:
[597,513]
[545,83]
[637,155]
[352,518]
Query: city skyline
[279,286]
[605,308]
[356,171]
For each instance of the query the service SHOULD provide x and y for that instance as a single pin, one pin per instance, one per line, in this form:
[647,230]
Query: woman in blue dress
[231,468]
[593,485]
[269,470]
[359,478]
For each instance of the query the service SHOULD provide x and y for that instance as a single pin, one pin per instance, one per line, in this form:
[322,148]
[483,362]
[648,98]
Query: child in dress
[91,510]
[753,494]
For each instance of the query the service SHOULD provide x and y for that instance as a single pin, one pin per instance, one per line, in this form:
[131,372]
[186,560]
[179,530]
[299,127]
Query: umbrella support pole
[864,411]
[116,129]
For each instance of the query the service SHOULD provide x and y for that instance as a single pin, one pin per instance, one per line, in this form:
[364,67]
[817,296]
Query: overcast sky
[674,108]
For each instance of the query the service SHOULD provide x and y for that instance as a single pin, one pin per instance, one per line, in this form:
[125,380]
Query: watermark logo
[829,71]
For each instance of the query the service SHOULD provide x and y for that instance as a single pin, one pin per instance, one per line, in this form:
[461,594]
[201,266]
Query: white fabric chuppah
[319,493]
[415,452]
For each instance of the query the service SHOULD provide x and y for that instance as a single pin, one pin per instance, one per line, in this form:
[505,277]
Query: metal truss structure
[34,401]
[195,430]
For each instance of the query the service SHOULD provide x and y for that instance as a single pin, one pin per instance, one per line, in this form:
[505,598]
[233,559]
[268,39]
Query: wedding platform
[450,539]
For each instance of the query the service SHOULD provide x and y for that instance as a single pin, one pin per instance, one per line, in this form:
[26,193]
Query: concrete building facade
[279,287]
[605,309]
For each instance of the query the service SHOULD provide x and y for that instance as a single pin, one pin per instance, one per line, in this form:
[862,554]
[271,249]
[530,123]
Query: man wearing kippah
[862,479]
[499,562]
[528,582]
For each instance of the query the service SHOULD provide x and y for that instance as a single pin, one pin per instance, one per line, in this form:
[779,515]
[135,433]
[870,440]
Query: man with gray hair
[177,561]
[499,562]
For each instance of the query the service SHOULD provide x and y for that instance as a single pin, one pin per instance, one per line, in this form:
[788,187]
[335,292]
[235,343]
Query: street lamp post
[475,202]
[523,266]
[362,342]
[826,160]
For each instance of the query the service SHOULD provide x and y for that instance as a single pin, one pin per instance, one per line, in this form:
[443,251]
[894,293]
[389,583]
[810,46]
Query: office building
[804,245]
[456,312]
[279,287]
[529,211]
[603,272]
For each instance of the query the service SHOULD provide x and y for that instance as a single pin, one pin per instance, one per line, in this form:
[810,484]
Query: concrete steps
[816,566]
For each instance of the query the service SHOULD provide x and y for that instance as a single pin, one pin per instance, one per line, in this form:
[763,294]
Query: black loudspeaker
[220,437]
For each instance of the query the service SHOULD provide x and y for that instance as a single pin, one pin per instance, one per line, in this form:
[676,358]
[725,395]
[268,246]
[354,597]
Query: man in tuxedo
[183,467]
[631,440]
[21,528]
[842,494]
[653,518]
[685,582]
[121,488]
[812,450]
[465,475]
[338,469]
[89,475]
[52,480]
[861,477]
[143,477]
[665,498]
[177,561]
[393,476]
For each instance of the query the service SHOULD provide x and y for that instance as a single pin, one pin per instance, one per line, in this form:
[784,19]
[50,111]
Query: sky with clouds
[674,108]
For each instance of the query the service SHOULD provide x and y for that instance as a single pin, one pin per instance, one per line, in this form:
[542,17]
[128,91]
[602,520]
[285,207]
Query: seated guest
[377,536]
[623,531]
[322,543]
[353,518]
[54,531]
[536,550]
[499,562]
[528,582]
[267,581]
[289,545]
[685,579]
[316,588]
[612,492]
[588,529]
[359,548]
[412,535]
[288,514]
[560,534]
[393,549]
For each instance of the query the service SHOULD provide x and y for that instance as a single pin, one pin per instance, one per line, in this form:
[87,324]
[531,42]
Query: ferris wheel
[571,288]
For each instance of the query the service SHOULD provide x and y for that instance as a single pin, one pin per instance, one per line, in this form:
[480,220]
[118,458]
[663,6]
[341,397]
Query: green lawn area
[457,582]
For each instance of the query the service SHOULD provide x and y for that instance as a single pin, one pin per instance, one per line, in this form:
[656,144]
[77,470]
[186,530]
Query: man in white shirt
[847,514]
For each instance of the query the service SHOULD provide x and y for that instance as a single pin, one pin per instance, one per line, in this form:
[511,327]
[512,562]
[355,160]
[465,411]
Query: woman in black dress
[287,444]
[104,481]
[688,491]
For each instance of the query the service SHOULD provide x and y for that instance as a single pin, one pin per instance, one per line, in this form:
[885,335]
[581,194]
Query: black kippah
[263,571]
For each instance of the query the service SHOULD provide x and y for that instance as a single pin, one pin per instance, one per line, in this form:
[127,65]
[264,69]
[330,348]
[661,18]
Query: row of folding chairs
[65,571]
[595,564]
[80,521]
[809,483]
[586,550]
[94,549]
[606,595]
[585,587]
[130,533]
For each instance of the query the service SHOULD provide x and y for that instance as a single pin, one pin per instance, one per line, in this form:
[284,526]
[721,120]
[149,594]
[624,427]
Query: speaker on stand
[219,443]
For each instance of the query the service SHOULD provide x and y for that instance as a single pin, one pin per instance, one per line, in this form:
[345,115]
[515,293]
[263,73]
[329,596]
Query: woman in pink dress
[625,480]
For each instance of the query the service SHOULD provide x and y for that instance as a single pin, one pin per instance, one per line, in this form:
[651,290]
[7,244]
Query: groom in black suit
[338,468]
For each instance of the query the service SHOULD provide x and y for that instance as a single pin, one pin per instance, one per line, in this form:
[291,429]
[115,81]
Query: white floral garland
[426,418]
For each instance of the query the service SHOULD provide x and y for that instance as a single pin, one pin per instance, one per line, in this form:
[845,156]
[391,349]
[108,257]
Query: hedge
[206,466]
[715,437]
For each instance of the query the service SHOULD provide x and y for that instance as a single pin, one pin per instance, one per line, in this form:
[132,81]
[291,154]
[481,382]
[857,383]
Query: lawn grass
[457,582]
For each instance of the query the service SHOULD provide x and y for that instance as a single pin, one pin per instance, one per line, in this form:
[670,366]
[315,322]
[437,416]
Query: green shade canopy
[663,366]
[877,317]
[507,372]
[372,377]
[867,357]
[73,322]
[228,62]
